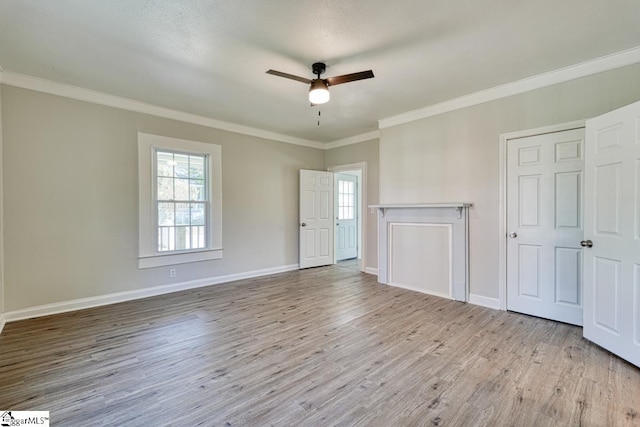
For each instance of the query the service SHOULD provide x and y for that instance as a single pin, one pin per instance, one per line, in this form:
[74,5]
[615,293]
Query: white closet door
[545,225]
[612,226]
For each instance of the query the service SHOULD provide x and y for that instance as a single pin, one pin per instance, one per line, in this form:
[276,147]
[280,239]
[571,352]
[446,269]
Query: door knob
[586,244]
[337,223]
[303,224]
[513,235]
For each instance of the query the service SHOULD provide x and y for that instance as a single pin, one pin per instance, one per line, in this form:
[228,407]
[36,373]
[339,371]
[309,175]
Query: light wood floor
[325,346]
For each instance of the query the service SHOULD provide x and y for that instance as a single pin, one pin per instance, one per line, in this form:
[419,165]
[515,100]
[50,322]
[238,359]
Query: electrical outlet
[172,273]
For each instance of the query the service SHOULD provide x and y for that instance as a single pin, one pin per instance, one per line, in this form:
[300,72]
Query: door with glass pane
[347,217]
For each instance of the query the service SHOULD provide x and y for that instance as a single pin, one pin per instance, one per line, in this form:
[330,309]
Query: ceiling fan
[319,88]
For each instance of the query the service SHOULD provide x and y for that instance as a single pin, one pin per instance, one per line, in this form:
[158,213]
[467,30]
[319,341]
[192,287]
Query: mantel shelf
[423,205]
[457,205]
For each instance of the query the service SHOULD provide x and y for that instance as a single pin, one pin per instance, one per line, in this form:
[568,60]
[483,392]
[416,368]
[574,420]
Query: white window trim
[148,256]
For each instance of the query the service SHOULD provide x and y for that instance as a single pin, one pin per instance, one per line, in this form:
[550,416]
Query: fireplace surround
[425,247]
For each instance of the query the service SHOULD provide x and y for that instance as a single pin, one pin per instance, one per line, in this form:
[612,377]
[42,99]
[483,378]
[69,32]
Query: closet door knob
[586,244]
[513,235]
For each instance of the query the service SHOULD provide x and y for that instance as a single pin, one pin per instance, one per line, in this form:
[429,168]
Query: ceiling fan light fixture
[319,88]
[319,92]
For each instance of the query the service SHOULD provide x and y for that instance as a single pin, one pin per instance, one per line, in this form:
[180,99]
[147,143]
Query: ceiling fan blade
[346,78]
[289,76]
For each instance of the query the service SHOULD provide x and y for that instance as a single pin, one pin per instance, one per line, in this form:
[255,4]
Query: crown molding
[595,66]
[87,95]
[353,139]
[598,65]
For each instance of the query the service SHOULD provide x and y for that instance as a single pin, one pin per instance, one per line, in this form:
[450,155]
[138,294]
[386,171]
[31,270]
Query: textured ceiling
[209,57]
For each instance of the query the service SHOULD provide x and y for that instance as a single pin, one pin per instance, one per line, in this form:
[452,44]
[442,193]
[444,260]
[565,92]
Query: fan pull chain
[318,117]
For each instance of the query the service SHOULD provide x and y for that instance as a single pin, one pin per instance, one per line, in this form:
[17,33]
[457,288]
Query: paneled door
[346,217]
[612,232]
[316,218]
[545,225]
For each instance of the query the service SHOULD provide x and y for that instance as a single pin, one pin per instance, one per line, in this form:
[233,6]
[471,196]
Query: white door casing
[316,218]
[612,226]
[346,216]
[545,225]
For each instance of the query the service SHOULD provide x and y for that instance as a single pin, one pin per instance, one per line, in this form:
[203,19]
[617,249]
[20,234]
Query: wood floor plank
[323,346]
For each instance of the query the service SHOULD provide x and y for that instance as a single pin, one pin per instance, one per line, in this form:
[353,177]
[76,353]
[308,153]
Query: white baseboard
[2,322]
[484,301]
[83,303]
[371,270]
[422,291]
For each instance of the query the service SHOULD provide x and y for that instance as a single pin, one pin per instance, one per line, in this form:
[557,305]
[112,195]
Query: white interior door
[612,226]
[346,217]
[316,218]
[545,225]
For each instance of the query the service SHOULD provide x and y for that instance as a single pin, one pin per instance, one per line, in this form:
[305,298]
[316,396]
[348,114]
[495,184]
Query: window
[346,200]
[180,201]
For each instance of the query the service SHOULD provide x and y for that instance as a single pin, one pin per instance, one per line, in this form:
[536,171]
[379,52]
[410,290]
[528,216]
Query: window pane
[181,178]
[197,237]
[161,241]
[196,167]
[183,238]
[183,214]
[165,163]
[166,239]
[197,213]
[165,188]
[181,189]
[166,214]
[197,190]
[182,165]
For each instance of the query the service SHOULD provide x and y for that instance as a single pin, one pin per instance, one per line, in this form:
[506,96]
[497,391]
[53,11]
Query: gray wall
[1,221]
[363,152]
[71,199]
[454,156]
[70,185]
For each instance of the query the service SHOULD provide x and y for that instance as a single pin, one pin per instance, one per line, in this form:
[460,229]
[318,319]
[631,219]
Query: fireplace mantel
[441,224]
[457,205]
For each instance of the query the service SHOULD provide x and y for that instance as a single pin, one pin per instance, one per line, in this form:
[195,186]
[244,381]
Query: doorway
[349,207]
[346,191]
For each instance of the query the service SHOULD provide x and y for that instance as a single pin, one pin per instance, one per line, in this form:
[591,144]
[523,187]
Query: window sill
[181,258]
